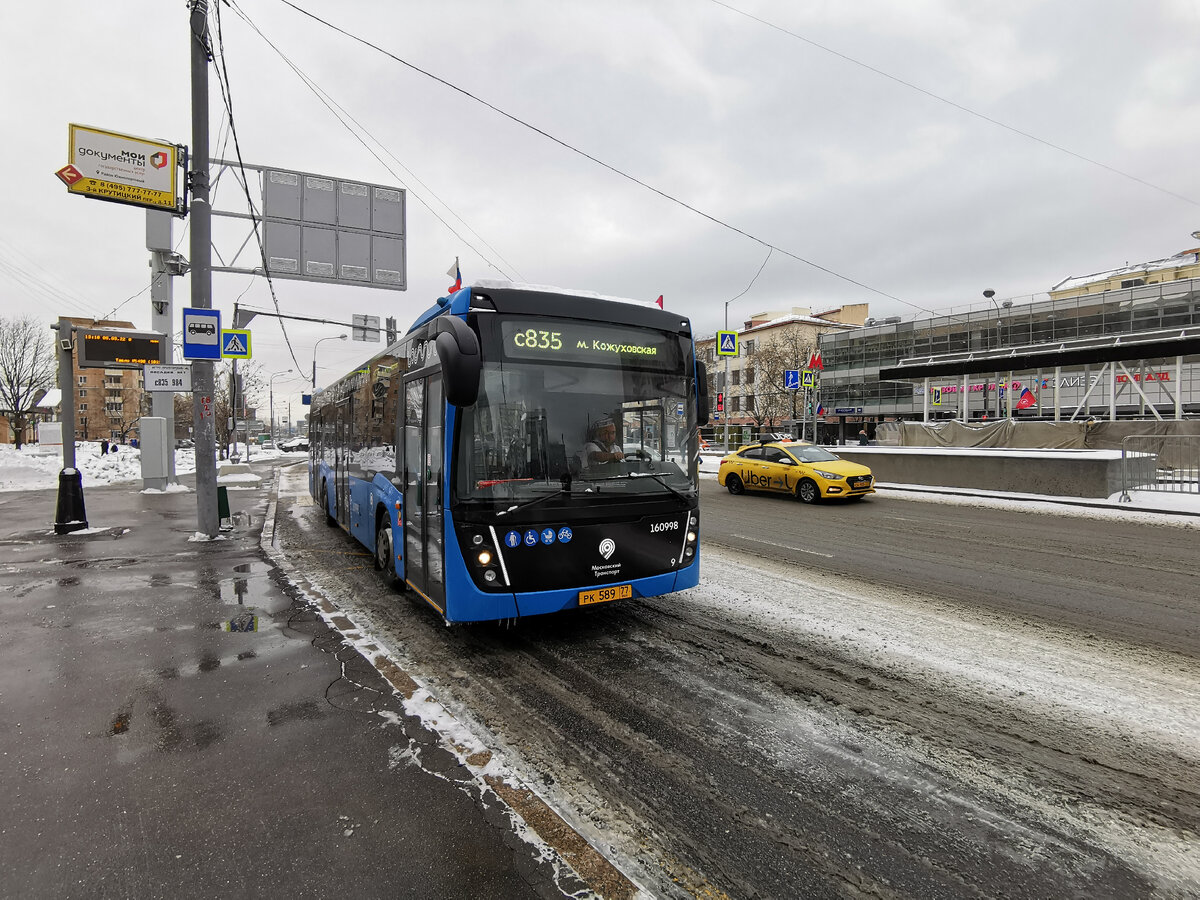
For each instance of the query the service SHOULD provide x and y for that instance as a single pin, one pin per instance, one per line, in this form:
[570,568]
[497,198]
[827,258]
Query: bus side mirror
[458,350]
[701,393]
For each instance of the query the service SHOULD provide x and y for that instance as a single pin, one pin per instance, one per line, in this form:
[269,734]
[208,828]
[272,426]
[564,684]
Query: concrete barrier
[1066,473]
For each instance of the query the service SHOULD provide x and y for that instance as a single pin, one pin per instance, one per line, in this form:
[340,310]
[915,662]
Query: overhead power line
[611,168]
[948,102]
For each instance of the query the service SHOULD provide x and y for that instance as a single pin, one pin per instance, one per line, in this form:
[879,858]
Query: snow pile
[27,469]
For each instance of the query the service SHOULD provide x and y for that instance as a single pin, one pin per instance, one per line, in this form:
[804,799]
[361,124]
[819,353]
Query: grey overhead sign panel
[333,230]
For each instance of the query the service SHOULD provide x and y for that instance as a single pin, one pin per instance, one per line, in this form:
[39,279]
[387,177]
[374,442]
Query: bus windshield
[568,407]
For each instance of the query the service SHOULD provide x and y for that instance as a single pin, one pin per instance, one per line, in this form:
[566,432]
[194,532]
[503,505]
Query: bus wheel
[734,484]
[807,491]
[385,555]
[329,520]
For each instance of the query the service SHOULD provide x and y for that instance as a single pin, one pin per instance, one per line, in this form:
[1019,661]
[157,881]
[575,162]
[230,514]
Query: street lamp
[991,295]
[271,389]
[336,337]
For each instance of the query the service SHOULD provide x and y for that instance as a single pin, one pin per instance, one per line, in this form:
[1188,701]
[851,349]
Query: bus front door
[423,481]
[341,480]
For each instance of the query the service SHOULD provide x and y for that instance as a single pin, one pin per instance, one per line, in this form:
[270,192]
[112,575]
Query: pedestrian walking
[104,447]
[862,436]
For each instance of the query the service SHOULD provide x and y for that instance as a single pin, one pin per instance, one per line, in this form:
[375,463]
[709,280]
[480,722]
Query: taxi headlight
[830,476]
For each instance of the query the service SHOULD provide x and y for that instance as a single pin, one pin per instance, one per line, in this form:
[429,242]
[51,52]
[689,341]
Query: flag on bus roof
[454,273]
[659,301]
[1026,399]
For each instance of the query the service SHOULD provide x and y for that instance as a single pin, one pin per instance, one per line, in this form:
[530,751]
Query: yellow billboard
[122,169]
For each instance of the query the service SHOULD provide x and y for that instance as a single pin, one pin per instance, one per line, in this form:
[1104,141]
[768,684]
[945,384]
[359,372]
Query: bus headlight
[485,557]
[691,537]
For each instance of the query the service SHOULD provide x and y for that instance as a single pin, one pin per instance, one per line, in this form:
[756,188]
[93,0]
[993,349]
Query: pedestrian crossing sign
[235,343]
[935,396]
[727,343]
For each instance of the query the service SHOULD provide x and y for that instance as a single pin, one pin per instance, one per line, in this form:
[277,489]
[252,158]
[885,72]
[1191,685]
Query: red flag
[659,301]
[1026,399]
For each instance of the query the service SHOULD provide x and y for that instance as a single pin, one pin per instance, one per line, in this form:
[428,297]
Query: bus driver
[603,446]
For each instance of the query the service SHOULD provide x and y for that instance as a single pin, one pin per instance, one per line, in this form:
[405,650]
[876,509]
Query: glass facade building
[1005,333]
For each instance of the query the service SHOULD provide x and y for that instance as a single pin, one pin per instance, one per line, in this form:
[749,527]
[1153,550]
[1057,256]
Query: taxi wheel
[735,485]
[807,491]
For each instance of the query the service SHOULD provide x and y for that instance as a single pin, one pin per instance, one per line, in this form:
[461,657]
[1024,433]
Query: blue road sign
[727,343]
[201,333]
[791,379]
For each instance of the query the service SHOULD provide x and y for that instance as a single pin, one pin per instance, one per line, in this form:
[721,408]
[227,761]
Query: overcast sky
[923,204]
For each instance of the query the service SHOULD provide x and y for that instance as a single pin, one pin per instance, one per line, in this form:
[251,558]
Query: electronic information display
[118,348]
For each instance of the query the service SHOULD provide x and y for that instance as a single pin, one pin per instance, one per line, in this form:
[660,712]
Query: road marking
[745,537]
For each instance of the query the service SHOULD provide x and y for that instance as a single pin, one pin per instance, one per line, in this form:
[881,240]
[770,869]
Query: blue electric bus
[465,456]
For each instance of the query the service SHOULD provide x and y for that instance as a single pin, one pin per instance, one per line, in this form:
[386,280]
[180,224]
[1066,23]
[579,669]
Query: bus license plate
[603,595]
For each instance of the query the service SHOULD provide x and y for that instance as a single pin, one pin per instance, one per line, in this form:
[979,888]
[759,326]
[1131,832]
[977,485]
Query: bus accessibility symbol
[513,539]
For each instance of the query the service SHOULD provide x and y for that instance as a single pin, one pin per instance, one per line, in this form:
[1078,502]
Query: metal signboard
[171,378]
[848,410]
[121,168]
[201,333]
[727,343]
[118,348]
[235,343]
[809,378]
[791,379]
[366,328]
[935,396]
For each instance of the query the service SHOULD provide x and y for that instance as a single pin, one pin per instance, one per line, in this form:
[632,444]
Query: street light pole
[335,337]
[991,295]
[271,389]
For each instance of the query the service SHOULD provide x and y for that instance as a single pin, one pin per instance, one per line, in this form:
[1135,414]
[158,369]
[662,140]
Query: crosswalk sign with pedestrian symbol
[235,343]
[727,343]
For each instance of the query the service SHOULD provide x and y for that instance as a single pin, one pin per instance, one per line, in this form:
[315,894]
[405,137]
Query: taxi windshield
[810,454]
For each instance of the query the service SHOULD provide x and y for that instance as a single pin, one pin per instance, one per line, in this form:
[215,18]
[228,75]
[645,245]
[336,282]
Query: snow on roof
[792,318]
[499,283]
[50,399]
[1183,258]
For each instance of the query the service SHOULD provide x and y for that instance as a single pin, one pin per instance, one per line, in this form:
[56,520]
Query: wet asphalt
[178,721]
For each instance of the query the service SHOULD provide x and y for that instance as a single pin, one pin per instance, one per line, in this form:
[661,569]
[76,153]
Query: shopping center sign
[120,168]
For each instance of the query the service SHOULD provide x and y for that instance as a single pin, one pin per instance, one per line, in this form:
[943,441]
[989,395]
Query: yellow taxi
[808,472]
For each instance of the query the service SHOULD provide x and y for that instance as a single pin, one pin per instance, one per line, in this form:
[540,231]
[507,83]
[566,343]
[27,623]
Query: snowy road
[787,731]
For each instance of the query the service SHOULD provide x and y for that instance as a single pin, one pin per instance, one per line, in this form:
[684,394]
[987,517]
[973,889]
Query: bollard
[71,515]
[223,508]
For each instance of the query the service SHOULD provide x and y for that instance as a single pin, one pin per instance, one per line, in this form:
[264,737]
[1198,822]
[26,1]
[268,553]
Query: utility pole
[207,522]
[164,264]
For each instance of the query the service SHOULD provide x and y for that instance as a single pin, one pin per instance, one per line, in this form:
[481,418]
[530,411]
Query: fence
[1160,463]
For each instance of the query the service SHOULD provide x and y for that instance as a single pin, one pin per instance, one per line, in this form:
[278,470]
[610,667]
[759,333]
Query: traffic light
[720,401]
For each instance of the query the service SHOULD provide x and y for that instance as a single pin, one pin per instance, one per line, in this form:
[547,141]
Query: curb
[1036,498]
[527,810]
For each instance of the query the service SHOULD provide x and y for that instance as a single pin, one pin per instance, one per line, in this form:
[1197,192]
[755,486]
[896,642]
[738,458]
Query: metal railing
[1160,463]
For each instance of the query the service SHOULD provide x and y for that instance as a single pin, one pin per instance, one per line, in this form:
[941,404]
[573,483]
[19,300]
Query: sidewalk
[153,749]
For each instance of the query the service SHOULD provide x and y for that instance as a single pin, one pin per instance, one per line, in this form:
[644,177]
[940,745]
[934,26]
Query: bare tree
[772,402]
[27,370]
